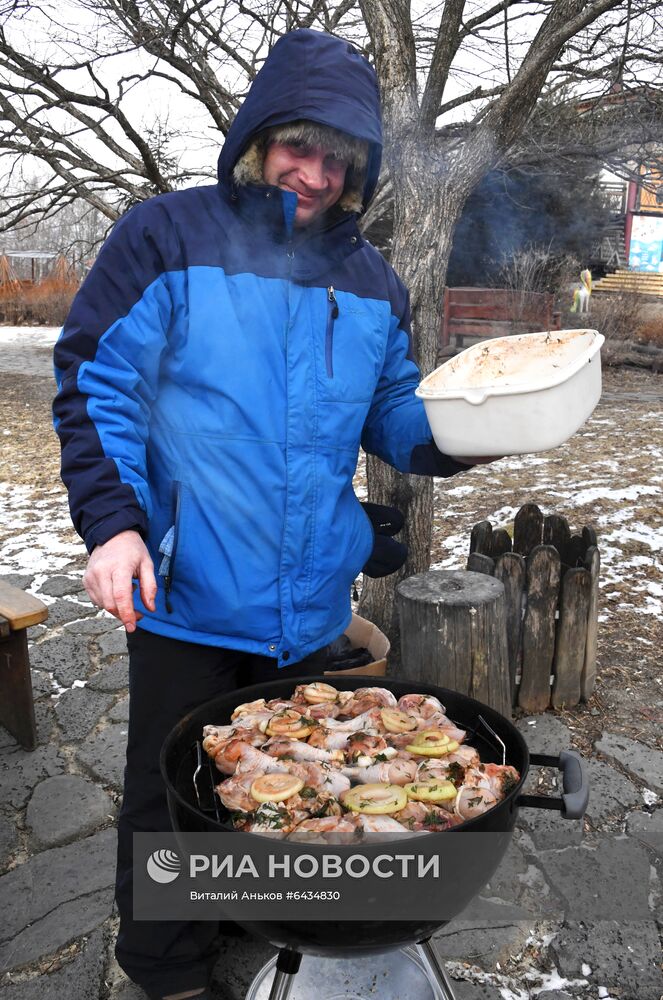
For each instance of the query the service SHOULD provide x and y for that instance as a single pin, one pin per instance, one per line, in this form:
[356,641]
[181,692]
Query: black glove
[388,555]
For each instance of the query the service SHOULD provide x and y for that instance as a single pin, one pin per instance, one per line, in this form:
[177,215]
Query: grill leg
[437,968]
[287,967]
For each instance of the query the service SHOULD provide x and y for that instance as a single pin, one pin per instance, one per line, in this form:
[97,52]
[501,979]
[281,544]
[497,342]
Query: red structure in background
[44,299]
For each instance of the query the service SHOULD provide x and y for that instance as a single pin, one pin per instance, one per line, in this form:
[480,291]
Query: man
[228,353]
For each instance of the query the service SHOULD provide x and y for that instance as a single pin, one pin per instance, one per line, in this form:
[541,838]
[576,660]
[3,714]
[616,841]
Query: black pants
[167,679]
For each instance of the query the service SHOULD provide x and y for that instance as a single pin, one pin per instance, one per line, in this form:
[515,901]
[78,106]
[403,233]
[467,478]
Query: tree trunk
[424,220]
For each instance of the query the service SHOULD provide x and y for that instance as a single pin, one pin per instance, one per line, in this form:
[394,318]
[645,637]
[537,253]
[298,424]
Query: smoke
[512,210]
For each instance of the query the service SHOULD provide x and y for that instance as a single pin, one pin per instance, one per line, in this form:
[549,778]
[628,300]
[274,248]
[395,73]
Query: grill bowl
[329,938]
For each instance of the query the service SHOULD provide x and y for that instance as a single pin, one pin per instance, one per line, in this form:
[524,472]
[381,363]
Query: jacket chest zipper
[332,315]
[168,580]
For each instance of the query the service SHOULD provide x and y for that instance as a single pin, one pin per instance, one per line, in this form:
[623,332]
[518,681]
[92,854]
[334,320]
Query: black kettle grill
[497,741]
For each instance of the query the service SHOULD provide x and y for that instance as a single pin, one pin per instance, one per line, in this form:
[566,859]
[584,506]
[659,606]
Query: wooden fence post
[571,638]
[527,529]
[542,642]
[510,570]
[588,678]
[543,576]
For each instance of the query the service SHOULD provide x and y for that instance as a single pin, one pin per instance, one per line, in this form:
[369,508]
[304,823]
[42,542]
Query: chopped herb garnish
[456,773]
[509,782]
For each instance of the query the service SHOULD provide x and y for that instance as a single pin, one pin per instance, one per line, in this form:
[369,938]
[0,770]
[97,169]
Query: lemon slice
[395,721]
[432,749]
[289,723]
[431,791]
[317,693]
[375,800]
[430,738]
[275,787]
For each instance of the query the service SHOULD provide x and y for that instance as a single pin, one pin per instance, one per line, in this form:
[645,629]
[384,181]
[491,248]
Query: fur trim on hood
[249,167]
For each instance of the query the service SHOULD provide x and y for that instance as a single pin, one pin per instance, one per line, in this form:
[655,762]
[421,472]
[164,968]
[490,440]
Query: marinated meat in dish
[328,766]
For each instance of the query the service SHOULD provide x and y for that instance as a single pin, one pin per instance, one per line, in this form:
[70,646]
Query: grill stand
[288,963]
[287,967]
[432,961]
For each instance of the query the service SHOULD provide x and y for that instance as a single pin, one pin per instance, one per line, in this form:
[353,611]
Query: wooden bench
[482,313]
[18,611]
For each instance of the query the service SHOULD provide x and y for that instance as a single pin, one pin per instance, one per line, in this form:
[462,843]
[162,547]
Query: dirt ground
[609,475]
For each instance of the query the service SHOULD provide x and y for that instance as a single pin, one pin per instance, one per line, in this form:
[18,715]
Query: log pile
[634,355]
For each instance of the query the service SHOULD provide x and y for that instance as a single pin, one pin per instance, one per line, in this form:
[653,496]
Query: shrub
[618,315]
[650,330]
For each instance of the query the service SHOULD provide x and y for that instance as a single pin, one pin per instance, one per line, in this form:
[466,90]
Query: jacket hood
[313,76]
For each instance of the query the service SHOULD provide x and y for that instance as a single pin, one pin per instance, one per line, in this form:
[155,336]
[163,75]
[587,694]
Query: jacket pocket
[349,343]
[332,316]
[168,546]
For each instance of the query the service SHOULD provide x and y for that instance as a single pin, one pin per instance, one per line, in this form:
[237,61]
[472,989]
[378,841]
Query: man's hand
[110,572]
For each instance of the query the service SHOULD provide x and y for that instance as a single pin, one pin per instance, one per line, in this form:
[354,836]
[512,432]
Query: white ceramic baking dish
[514,395]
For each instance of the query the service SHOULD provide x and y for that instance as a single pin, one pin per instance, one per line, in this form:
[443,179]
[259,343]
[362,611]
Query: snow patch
[38,336]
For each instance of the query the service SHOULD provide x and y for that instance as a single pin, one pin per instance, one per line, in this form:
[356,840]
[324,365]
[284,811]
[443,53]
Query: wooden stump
[453,634]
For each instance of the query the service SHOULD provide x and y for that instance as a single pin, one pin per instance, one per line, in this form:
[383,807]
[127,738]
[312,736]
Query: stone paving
[574,911]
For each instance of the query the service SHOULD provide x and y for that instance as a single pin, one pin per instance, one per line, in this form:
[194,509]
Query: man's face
[312,172]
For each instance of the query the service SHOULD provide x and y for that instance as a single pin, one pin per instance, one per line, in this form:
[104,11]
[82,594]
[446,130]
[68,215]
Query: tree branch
[446,47]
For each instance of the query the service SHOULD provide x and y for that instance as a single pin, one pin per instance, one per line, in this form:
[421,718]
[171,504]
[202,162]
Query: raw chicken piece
[254,760]
[252,720]
[472,801]
[325,830]
[440,769]
[368,721]
[366,698]
[364,745]
[325,710]
[422,705]
[396,772]
[424,816]
[279,746]
[467,756]
[279,705]
[320,776]
[274,819]
[215,736]
[230,752]
[328,739]
[440,721]
[234,792]
[379,824]
[497,778]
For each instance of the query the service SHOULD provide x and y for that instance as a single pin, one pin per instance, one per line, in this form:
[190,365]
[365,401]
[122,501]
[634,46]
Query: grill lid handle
[575,784]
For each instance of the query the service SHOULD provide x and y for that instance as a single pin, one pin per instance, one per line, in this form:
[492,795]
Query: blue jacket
[219,370]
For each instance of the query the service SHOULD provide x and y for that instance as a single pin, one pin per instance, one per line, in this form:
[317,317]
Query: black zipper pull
[331,297]
[167,583]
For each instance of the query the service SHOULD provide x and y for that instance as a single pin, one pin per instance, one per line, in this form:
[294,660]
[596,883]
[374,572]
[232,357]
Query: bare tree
[463,85]
[74,95]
